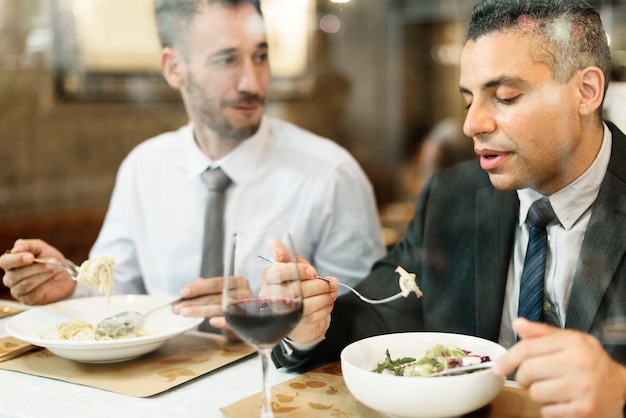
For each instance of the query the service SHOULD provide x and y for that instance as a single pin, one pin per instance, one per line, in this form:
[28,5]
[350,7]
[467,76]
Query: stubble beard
[211,116]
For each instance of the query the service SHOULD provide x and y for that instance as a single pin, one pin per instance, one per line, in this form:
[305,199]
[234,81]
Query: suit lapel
[496,217]
[604,245]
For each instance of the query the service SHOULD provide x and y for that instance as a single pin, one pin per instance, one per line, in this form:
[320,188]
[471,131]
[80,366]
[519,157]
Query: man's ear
[591,90]
[172,67]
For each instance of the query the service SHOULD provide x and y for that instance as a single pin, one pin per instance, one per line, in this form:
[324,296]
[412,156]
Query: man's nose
[249,78]
[478,121]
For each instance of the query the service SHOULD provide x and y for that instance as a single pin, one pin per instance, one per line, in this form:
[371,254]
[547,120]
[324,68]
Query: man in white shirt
[216,54]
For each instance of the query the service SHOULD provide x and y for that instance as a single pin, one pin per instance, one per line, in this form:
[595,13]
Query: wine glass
[262,297]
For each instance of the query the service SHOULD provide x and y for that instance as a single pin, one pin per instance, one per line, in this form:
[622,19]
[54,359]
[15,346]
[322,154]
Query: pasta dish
[77,330]
[97,272]
[84,331]
[407,283]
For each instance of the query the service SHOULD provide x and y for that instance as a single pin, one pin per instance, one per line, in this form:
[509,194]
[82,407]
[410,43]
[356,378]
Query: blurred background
[80,86]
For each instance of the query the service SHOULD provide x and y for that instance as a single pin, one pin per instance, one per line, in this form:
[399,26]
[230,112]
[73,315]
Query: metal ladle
[125,324]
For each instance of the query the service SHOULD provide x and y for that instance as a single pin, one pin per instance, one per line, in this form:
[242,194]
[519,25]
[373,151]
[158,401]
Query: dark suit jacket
[459,244]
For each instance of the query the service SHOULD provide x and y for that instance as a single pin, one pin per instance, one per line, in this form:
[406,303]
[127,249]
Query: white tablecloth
[24,395]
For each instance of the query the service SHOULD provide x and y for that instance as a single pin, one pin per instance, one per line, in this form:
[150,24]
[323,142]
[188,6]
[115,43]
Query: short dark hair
[569,33]
[172,16]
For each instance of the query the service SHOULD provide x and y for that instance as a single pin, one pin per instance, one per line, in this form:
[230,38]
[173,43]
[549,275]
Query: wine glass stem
[266,410]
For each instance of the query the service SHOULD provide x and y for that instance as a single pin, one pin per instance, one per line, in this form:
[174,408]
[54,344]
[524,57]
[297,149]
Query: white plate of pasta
[43,326]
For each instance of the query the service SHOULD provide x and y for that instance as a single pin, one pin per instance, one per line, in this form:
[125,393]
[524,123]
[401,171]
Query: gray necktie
[213,243]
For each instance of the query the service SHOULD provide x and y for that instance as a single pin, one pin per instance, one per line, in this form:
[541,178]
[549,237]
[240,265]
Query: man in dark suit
[533,76]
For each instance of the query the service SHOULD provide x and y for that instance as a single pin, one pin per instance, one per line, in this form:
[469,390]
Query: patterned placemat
[180,360]
[323,393]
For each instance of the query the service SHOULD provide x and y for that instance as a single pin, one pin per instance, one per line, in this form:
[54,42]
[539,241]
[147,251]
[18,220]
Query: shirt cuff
[290,346]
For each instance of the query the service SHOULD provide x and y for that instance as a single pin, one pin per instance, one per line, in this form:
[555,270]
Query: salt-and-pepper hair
[569,33]
[173,16]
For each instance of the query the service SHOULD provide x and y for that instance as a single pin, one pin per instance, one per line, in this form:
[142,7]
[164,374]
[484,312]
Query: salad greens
[438,358]
[396,366]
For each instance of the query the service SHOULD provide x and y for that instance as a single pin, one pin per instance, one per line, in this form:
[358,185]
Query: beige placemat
[12,347]
[8,310]
[323,393]
[181,359]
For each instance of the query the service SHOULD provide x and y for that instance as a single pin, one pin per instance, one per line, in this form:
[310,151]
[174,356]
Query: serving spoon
[353,290]
[125,324]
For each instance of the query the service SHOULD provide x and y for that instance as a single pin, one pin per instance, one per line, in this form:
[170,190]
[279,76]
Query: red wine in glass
[262,321]
[262,295]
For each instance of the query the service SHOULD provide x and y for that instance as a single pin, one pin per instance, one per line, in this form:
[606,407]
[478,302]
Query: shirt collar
[239,164]
[571,202]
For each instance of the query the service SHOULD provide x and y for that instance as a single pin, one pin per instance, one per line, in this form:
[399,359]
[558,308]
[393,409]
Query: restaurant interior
[80,86]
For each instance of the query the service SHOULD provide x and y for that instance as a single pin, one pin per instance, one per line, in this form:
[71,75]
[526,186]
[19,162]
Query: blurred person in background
[215,52]
[443,146]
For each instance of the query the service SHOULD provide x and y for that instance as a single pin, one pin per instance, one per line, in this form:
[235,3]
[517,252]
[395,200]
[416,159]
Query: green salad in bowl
[437,359]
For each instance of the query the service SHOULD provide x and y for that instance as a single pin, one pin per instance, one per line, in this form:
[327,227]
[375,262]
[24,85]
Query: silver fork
[356,292]
[465,369]
[67,265]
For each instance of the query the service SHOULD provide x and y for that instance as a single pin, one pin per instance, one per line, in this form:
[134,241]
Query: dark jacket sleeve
[352,319]
[430,245]
[344,329]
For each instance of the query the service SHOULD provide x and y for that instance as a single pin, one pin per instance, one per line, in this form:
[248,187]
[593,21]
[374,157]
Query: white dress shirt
[283,177]
[572,205]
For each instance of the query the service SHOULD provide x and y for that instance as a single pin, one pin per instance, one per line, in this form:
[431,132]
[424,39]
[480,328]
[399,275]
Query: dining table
[233,391]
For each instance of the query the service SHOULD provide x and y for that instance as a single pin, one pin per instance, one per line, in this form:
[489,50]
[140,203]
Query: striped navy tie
[531,286]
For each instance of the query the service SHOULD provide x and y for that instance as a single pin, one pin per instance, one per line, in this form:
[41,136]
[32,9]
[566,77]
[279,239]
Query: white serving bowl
[38,327]
[418,397]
